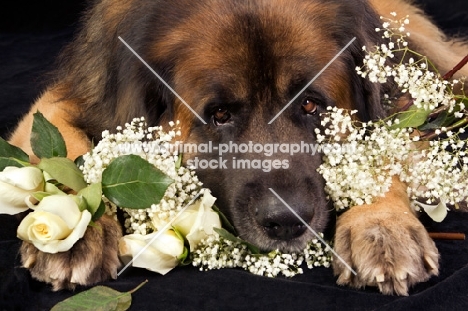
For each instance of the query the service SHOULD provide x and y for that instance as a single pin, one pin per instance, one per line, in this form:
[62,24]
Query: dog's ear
[139,90]
[367,95]
[100,75]
[359,20]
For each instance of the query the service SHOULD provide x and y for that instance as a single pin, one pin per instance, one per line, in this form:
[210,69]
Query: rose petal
[160,256]
[436,212]
[168,243]
[63,206]
[211,221]
[158,223]
[11,196]
[207,201]
[26,178]
[67,243]
[23,228]
[205,228]
[47,227]
[16,184]
[198,220]
[11,209]
[186,220]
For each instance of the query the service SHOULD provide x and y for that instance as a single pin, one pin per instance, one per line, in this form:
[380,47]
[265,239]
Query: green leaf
[93,197]
[11,155]
[98,298]
[100,211]
[80,201]
[413,117]
[46,140]
[130,181]
[39,195]
[224,221]
[64,171]
[52,188]
[184,258]
[178,162]
[443,119]
[228,236]
[79,161]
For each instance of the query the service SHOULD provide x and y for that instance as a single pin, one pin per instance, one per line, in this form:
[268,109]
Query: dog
[237,64]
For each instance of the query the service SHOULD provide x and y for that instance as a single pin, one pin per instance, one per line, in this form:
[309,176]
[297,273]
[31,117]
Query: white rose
[55,225]
[198,220]
[161,255]
[16,185]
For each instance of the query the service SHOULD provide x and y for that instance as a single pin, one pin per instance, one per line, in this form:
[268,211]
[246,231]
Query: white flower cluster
[440,172]
[435,170]
[374,154]
[157,147]
[417,77]
[214,253]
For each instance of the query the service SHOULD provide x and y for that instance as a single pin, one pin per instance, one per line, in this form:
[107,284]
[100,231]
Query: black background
[31,35]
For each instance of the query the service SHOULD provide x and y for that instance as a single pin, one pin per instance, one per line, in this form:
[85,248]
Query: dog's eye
[309,107]
[221,116]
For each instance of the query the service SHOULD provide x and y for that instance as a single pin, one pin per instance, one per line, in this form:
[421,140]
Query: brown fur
[92,259]
[366,236]
[250,58]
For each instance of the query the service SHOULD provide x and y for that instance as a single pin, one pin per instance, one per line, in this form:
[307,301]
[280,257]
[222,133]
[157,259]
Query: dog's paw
[92,259]
[386,248]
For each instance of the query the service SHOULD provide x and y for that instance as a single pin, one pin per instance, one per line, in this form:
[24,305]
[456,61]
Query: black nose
[283,231]
[280,224]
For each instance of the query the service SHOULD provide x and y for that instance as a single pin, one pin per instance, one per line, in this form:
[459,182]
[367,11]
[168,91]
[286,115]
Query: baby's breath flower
[383,152]
[217,253]
[157,147]
[426,87]
[384,149]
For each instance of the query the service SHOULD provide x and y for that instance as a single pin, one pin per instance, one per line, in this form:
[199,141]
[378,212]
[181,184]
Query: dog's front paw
[92,259]
[386,247]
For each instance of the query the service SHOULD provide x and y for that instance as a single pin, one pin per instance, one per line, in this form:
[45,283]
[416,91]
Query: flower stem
[436,112]
[459,66]
[138,287]
[447,235]
[457,124]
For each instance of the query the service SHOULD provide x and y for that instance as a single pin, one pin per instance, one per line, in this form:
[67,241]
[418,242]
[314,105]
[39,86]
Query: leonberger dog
[237,64]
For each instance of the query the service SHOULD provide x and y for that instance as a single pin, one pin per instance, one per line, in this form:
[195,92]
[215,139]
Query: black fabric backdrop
[31,35]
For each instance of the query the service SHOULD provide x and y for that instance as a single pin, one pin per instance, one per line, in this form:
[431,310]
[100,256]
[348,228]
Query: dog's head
[237,64]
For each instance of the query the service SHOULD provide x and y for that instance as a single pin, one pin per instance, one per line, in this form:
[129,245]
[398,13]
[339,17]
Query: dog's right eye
[221,116]
[309,106]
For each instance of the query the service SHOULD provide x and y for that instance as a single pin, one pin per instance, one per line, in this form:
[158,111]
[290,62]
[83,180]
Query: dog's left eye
[221,116]
[309,107]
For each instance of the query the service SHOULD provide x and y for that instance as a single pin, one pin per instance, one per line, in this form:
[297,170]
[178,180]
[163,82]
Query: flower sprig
[218,253]
[158,148]
[420,142]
